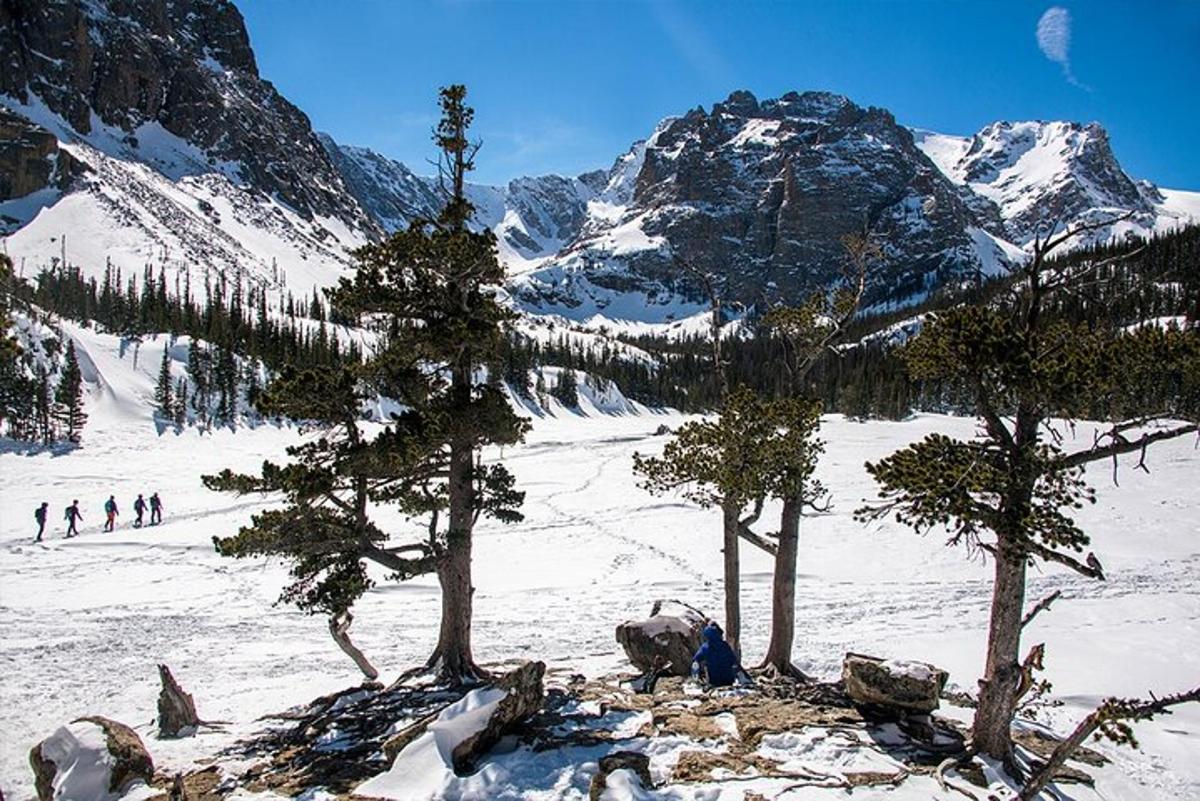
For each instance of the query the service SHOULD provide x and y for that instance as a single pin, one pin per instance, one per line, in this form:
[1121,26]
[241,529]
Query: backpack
[67,513]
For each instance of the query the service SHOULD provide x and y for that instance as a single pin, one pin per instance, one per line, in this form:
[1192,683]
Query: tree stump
[176,710]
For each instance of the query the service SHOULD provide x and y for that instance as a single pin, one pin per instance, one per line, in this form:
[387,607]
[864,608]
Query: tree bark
[1002,672]
[783,591]
[733,603]
[452,657]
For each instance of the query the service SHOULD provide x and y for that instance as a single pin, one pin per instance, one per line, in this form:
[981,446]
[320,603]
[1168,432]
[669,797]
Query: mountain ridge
[143,134]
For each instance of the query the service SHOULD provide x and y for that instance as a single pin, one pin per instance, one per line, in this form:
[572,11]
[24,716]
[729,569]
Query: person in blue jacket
[718,659]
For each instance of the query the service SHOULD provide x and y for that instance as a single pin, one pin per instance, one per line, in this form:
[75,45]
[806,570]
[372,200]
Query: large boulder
[900,686]
[666,640]
[90,759]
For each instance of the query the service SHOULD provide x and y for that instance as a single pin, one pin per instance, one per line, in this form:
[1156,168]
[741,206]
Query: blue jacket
[716,655]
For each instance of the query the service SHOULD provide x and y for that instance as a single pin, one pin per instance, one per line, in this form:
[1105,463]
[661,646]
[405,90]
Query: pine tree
[1011,491]
[9,349]
[69,396]
[720,463]
[162,391]
[14,386]
[43,406]
[540,389]
[428,288]
[805,333]
[566,389]
[179,410]
[199,370]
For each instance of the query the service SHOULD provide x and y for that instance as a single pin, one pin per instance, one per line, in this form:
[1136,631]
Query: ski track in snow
[83,621]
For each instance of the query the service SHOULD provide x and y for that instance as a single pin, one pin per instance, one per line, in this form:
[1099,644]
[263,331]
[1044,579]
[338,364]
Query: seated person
[719,660]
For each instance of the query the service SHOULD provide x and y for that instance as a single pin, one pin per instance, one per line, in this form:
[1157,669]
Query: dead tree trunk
[732,559]
[1002,672]
[783,591]
[176,710]
[339,629]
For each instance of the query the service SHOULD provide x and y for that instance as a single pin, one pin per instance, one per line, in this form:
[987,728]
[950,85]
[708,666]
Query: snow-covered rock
[462,733]
[1040,174]
[91,759]
[623,776]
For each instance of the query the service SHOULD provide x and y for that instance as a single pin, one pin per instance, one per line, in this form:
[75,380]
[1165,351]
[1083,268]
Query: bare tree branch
[1092,568]
[1110,711]
[1121,445]
[1039,606]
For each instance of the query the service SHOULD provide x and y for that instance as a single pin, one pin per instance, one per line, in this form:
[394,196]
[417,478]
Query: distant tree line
[1126,284]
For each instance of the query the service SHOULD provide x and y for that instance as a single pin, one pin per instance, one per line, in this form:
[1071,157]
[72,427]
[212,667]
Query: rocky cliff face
[122,73]
[763,193]
[30,158]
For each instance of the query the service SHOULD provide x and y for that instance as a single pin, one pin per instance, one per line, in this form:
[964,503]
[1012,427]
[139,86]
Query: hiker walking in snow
[39,514]
[718,659]
[139,506]
[72,516]
[155,509]
[110,511]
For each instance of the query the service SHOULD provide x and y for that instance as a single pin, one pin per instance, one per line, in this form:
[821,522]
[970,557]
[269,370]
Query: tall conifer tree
[1011,491]
[430,289]
[68,397]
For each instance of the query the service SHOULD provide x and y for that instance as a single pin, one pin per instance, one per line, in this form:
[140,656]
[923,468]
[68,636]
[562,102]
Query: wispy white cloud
[1054,40]
[694,45]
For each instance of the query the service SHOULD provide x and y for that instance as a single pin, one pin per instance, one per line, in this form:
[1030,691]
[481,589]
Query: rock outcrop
[30,158]
[136,73]
[665,641]
[176,709]
[899,686]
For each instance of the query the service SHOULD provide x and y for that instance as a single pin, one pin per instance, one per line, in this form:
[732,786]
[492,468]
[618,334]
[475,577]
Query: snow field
[83,621]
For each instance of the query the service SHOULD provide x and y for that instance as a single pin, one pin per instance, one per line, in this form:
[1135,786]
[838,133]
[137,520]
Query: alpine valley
[535,439]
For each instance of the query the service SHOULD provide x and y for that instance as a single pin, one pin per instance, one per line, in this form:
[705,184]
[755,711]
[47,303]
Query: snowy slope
[83,621]
[162,203]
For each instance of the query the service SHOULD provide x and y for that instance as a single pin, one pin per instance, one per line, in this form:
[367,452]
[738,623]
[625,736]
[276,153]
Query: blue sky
[566,86]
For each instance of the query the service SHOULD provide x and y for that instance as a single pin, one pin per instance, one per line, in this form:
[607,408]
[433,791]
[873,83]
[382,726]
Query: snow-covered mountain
[1038,174]
[533,218]
[762,193]
[179,153]
[138,133]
